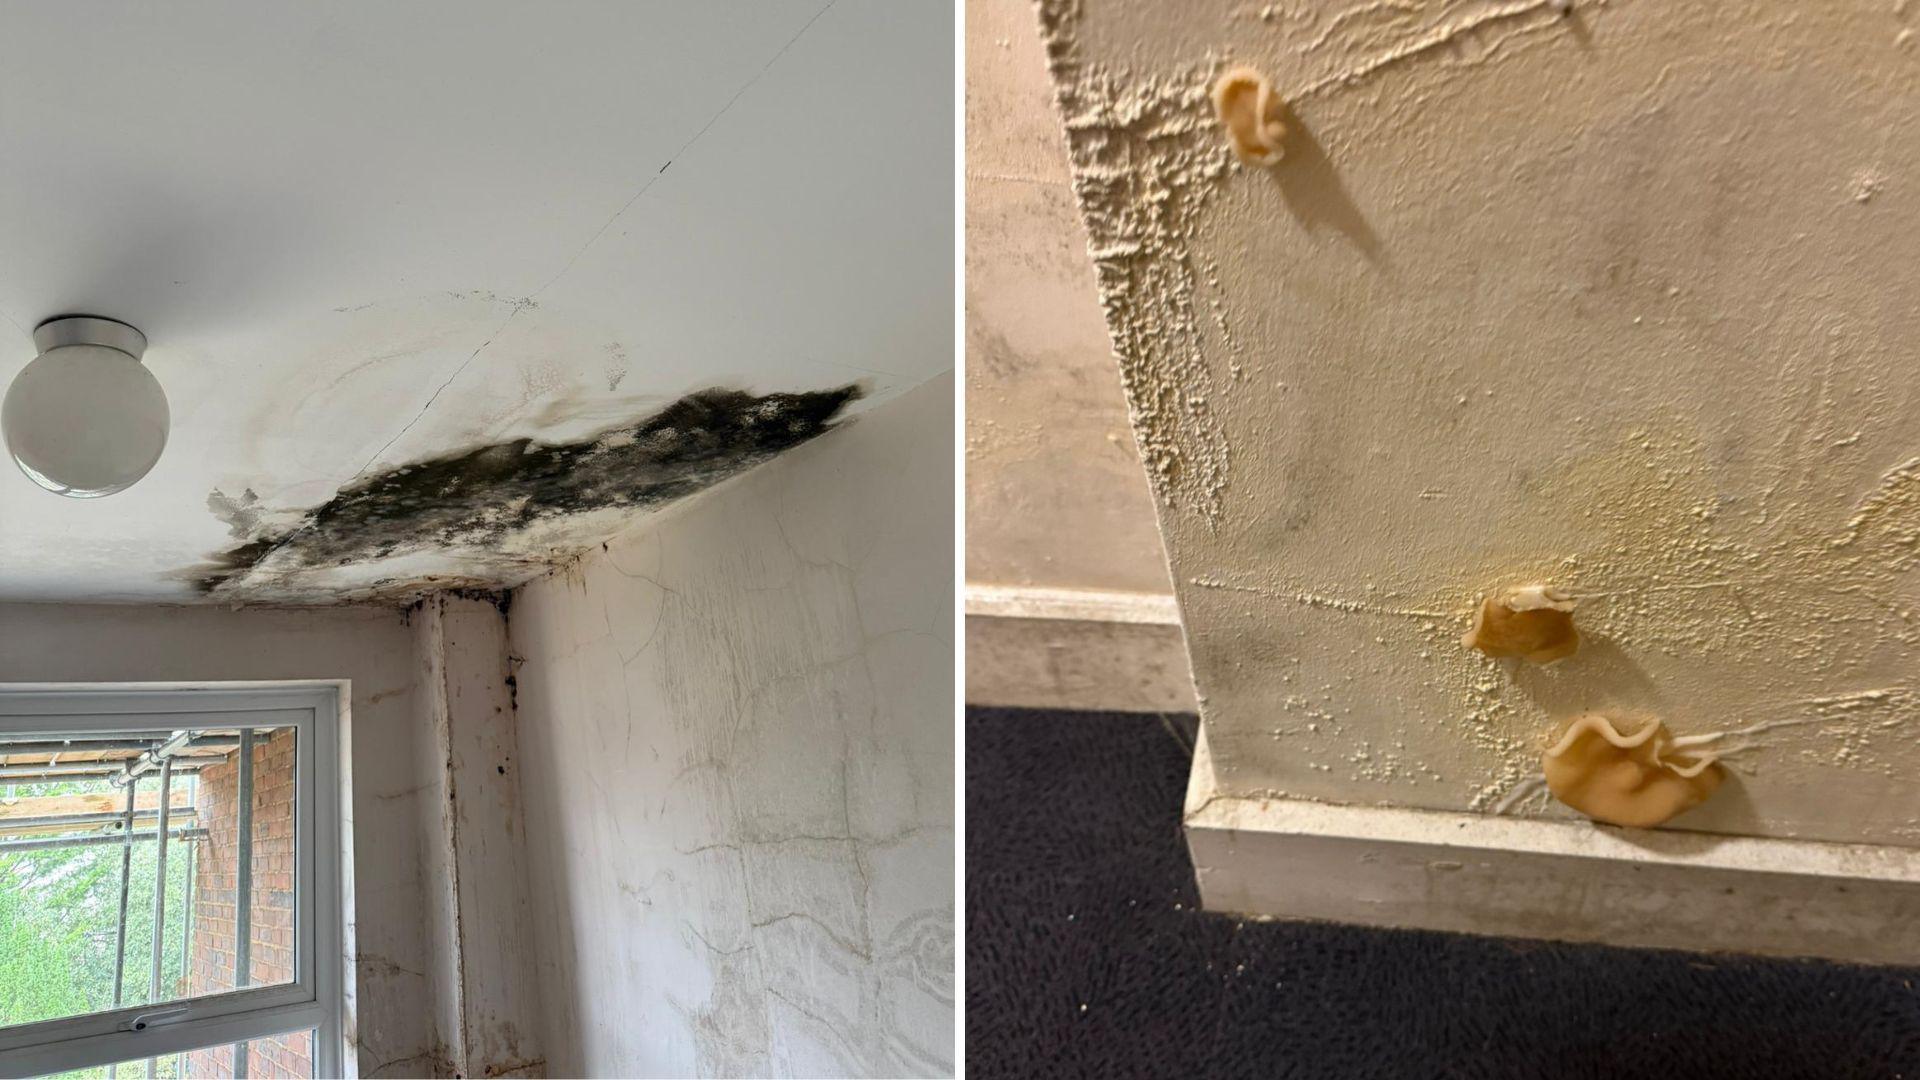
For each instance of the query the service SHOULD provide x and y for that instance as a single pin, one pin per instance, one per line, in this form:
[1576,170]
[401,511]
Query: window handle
[145,1020]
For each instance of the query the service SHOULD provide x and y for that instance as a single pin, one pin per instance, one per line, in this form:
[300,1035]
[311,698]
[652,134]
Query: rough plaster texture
[735,726]
[371,648]
[1611,295]
[1055,495]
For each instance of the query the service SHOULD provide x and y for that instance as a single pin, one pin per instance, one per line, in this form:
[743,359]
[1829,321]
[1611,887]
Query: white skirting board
[1076,649]
[1564,881]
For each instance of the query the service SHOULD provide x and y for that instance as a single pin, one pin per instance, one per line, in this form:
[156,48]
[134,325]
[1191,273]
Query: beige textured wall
[1615,295]
[1055,492]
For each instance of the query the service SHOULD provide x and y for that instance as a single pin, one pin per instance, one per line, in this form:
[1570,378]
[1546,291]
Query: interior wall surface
[1055,494]
[1613,296]
[736,742]
[392,1033]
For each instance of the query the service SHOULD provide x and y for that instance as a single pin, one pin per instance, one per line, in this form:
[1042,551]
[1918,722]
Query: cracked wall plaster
[504,512]
[736,743]
[1539,293]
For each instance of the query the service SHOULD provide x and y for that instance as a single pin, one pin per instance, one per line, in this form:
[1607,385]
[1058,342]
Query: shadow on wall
[1601,676]
[1313,191]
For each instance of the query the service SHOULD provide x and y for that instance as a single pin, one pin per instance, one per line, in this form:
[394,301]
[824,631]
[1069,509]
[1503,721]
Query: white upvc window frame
[315,999]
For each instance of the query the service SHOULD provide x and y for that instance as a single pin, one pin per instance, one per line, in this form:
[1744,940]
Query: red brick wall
[270,953]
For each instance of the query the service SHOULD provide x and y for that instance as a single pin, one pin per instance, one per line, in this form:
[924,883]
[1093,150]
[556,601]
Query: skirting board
[1564,881]
[1076,649]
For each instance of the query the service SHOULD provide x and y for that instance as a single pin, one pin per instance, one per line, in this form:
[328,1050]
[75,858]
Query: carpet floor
[1086,956]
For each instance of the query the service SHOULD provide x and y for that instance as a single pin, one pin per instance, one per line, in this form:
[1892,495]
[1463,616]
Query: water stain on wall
[491,498]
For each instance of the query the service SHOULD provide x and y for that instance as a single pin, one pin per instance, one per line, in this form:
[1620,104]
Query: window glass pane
[289,1056]
[81,894]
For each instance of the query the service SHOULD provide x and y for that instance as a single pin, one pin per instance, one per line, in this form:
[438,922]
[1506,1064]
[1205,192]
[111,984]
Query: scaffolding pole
[73,821]
[126,879]
[242,885]
[69,746]
[160,894]
[186,913]
[43,843]
[144,737]
[26,774]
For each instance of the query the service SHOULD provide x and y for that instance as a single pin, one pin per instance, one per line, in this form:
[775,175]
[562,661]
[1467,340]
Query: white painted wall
[735,726]
[373,649]
[1619,298]
[486,1007]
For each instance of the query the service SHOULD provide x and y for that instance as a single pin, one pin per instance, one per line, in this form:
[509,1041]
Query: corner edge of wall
[1073,649]
[1288,859]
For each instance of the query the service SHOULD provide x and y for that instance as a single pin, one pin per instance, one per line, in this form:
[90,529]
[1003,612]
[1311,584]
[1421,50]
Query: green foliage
[59,912]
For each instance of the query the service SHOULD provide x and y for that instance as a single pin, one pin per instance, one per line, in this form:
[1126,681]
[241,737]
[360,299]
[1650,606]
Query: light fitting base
[62,330]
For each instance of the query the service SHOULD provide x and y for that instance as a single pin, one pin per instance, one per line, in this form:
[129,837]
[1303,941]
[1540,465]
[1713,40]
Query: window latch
[145,1020]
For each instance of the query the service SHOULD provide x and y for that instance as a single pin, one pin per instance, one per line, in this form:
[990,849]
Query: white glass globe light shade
[85,420]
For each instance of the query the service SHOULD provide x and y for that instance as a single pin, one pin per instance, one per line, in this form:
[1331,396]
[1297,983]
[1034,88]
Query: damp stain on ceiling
[498,514]
[395,241]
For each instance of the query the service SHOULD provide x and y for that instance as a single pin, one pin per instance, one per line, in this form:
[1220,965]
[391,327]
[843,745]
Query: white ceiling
[360,235]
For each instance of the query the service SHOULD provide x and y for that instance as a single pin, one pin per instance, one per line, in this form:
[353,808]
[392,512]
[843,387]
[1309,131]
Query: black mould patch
[501,599]
[480,497]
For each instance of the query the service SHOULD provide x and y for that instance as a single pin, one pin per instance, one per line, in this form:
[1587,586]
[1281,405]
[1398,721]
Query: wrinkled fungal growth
[1533,622]
[1249,110]
[1639,780]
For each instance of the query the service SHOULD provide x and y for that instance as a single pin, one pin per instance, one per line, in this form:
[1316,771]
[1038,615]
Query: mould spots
[503,511]
[616,365]
[501,599]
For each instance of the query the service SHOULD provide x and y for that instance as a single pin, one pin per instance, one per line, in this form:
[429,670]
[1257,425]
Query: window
[169,882]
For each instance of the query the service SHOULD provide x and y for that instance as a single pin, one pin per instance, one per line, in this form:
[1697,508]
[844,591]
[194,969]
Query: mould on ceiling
[502,513]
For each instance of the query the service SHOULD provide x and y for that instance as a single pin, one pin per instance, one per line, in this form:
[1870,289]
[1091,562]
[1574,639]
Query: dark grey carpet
[1085,957]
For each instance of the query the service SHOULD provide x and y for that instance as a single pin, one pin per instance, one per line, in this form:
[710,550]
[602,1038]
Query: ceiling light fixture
[86,418]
